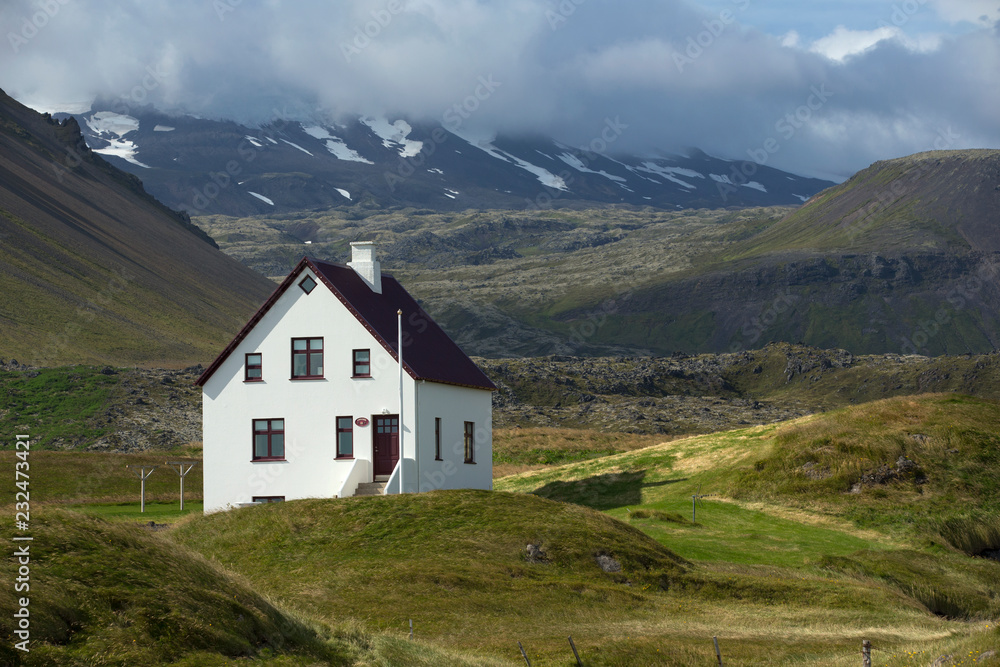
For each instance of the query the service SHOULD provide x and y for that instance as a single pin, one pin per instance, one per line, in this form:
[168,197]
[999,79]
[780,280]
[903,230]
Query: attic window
[307,284]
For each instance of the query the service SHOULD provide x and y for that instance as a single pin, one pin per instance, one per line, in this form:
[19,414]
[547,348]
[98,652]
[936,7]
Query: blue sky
[835,85]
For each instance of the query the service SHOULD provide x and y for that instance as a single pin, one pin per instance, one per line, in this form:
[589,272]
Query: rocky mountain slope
[625,281]
[220,167]
[93,269]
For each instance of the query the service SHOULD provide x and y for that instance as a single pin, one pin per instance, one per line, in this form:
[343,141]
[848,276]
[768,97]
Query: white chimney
[365,265]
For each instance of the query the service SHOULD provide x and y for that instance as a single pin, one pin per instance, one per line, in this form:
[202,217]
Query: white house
[308,400]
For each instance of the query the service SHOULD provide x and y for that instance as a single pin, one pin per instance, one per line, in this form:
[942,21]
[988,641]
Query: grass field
[783,563]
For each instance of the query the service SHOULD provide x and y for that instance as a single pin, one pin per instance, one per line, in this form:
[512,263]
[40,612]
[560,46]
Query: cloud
[843,43]
[677,74]
[981,12]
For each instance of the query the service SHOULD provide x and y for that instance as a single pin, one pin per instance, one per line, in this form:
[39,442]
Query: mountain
[94,269]
[934,201]
[911,271]
[221,167]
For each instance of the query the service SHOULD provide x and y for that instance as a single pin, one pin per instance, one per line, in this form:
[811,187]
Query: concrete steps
[370,489]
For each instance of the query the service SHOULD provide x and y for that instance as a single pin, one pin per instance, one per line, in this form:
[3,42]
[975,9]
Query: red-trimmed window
[307,358]
[268,439]
[253,369]
[470,442]
[307,284]
[269,499]
[345,437]
[362,363]
[437,438]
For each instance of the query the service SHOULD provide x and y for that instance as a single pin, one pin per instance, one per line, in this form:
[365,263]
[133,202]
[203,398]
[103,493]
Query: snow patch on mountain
[343,192]
[262,198]
[112,127]
[164,128]
[299,147]
[579,165]
[668,173]
[725,179]
[394,135]
[546,177]
[335,145]
[254,141]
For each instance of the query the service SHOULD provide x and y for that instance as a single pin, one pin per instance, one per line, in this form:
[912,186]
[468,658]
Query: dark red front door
[386,443]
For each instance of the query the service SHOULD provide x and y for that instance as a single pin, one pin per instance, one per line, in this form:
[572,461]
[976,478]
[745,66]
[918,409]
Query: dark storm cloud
[675,73]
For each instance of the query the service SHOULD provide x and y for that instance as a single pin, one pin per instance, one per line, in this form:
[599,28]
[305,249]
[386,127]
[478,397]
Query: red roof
[428,352]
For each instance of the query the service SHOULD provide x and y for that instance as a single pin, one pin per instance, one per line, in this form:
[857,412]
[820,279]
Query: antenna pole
[399,354]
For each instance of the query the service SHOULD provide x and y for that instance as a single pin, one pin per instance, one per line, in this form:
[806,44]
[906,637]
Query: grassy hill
[113,593]
[939,200]
[815,533]
[93,269]
[915,477]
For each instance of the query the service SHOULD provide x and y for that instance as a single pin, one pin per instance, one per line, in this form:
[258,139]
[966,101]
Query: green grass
[517,449]
[774,552]
[57,404]
[158,512]
[103,477]
[114,594]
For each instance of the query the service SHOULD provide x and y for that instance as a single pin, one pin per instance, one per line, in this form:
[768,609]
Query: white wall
[455,406]
[310,409]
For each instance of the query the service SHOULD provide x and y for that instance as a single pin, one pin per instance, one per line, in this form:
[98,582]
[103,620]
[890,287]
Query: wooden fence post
[866,653]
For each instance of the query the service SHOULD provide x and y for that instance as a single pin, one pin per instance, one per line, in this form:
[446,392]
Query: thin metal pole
[399,353]
[575,654]
[718,655]
[142,495]
[523,654]
[411,628]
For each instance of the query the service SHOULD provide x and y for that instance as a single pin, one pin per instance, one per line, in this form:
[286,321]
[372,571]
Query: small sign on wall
[361,421]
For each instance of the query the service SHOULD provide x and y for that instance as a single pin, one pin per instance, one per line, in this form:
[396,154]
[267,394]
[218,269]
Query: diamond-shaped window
[307,284]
